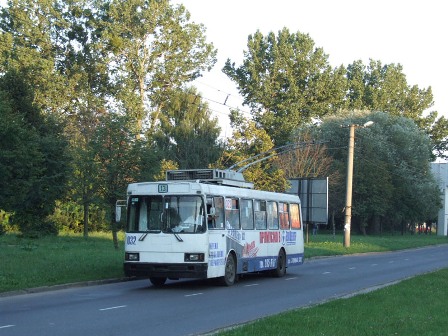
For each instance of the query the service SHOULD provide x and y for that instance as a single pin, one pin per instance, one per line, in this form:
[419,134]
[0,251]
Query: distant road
[136,308]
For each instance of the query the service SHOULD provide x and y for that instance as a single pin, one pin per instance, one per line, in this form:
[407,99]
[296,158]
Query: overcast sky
[412,33]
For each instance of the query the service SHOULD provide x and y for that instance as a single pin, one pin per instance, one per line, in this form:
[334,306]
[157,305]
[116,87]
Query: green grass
[28,263]
[416,306]
[327,244]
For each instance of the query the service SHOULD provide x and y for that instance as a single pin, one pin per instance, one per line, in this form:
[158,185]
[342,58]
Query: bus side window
[216,220]
[247,215]
[272,215]
[295,217]
[232,213]
[260,215]
[284,216]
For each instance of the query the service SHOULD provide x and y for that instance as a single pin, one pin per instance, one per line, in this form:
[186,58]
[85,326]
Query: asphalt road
[196,307]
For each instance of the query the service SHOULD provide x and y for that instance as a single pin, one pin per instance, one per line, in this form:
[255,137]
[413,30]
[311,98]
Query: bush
[69,217]
[33,226]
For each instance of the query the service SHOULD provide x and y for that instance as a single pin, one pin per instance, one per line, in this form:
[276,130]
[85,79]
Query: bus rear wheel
[281,264]
[230,271]
[157,281]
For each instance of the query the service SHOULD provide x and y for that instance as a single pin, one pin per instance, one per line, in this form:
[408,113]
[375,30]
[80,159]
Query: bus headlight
[132,256]
[194,257]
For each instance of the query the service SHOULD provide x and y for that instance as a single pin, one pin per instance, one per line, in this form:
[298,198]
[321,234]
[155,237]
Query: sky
[411,33]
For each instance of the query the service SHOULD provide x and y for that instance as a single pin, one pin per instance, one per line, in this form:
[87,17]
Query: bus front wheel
[157,281]
[230,271]
[281,264]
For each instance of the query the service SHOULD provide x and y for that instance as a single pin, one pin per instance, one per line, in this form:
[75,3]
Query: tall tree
[286,80]
[188,134]
[121,159]
[34,42]
[85,67]
[379,87]
[33,160]
[153,50]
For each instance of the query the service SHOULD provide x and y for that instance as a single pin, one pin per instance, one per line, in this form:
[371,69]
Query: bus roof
[200,188]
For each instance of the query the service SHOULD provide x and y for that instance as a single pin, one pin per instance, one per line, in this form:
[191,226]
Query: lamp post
[348,198]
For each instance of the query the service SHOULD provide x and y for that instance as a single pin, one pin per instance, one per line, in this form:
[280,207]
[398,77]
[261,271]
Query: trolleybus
[209,223]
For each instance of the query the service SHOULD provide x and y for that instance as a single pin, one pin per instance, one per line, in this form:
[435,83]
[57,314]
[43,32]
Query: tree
[391,168]
[306,159]
[33,42]
[247,143]
[121,160]
[85,67]
[89,58]
[379,87]
[286,80]
[33,160]
[153,49]
[188,134]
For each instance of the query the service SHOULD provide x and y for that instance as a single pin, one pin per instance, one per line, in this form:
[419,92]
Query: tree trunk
[114,235]
[376,224]
[334,224]
[114,228]
[363,228]
[86,219]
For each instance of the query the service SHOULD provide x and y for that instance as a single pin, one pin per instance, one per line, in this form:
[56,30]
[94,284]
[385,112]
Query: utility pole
[348,195]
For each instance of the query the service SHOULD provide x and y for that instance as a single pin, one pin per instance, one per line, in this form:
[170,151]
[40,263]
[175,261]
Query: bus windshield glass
[168,214]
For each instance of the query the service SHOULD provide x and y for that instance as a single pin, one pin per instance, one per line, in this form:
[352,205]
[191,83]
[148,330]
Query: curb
[44,289]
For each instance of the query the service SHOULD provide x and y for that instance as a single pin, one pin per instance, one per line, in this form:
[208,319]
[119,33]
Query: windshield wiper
[178,237]
[142,237]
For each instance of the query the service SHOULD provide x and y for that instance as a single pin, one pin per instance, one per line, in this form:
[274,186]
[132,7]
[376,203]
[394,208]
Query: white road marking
[7,326]
[326,273]
[250,285]
[352,268]
[188,295]
[110,308]
[293,278]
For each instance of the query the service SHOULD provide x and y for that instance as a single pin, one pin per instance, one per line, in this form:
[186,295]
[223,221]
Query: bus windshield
[168,213]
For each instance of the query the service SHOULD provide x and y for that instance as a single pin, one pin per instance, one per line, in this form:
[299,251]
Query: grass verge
[415,306]
[67,258]
[327,244]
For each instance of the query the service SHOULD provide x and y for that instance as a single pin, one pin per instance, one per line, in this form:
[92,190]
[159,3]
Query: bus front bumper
[159,270]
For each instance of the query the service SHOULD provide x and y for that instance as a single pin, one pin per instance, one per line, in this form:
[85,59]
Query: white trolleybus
[209,223]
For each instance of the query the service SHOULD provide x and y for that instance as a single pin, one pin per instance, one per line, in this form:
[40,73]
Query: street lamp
[348,199]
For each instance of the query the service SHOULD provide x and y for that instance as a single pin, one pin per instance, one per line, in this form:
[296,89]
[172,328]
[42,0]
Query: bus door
[217,236]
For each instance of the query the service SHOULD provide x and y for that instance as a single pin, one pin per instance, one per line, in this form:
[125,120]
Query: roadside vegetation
[95,95]
[416,306]
[54,260]
[69,258]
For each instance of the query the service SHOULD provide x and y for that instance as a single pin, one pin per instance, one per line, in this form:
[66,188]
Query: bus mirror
[117,213]
[118,205]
